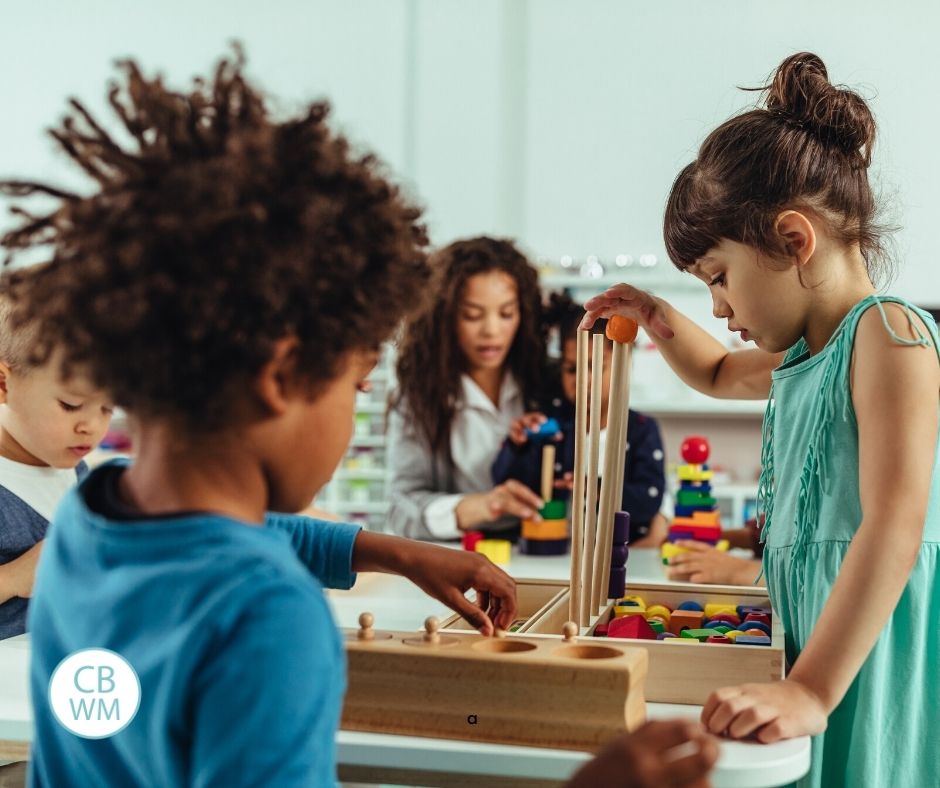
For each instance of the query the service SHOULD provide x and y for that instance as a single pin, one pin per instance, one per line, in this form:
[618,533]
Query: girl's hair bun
[802,94]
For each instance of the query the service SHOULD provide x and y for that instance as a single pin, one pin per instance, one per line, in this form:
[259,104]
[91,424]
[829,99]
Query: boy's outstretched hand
[628,301]
[444,574]
[766,712]
[649,758]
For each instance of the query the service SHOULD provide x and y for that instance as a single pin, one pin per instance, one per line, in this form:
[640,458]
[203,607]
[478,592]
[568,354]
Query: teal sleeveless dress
[886,731]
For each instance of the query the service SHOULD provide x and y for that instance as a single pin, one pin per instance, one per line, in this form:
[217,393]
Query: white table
[399,605]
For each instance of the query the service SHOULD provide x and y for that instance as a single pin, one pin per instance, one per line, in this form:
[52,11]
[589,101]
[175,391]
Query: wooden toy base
[513,690]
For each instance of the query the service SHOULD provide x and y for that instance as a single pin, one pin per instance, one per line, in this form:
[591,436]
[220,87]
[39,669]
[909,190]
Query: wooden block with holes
[558,693]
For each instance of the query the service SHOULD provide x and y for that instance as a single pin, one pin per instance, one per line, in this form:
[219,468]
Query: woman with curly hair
[468,366]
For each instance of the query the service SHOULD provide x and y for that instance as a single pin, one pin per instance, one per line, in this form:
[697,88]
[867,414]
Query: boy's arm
[694,354]
[18,576]
[325,548]
[888,379]
[266,704]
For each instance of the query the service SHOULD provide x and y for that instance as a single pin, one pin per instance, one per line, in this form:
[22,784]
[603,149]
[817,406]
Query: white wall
[560,123]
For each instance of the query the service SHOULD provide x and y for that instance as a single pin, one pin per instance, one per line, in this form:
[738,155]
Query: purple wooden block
[752,640]
[618,582]
[664,635]
[621,527]
[618,555]
[543,546]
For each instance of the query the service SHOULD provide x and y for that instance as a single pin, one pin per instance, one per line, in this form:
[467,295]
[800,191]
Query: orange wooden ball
[621,329]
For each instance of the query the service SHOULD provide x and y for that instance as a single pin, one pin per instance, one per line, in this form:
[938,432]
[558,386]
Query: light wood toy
[560,693]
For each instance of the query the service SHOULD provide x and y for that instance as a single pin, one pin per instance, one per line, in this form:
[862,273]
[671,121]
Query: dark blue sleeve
[645,477]
[325,548]
[266,704]
[523,463]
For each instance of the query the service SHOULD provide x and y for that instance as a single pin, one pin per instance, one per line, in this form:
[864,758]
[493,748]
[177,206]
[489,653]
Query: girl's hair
[214,233]
[430,361]
[808,148]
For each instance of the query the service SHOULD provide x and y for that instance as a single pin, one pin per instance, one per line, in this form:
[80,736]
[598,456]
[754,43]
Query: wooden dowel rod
[590,514]
[605,516]
[577,493]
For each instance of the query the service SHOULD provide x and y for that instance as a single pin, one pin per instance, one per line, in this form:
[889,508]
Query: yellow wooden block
[658,610]
[732,634]
[712,609]
[693,473]
[497,550]
[545,529]
[686,641]
[630,610]
[669,549]
[723,545]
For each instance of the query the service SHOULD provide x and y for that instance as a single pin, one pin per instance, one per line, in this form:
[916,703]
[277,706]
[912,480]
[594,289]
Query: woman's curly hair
[215,233]
[430,361]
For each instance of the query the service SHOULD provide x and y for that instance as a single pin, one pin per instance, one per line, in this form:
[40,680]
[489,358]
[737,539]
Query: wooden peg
[548,472]
[366,620]
[570,631]
[431,626]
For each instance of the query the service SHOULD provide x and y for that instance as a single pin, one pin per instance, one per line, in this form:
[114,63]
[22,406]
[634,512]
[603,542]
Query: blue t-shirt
[241,667]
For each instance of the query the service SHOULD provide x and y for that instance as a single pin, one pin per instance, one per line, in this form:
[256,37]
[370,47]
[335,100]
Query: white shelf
[367,441]
[372,408]
[695,409]
[360,474]
[351,507]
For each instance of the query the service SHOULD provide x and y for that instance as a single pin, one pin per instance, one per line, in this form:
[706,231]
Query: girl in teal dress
[776,216]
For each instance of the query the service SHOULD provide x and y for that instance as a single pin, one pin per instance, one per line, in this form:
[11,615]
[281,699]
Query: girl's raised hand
[766,712]
[628,301]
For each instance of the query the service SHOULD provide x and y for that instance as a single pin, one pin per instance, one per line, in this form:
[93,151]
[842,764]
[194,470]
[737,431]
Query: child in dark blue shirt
[644,478]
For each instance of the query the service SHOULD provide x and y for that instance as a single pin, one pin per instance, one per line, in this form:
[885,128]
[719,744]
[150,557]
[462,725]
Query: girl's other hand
[566,482]
[705,564]
[766,712]
[519,429]
[628,301]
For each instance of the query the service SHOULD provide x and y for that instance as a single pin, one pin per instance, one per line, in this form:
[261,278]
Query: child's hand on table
[766,712]
[705,564]
[641,759]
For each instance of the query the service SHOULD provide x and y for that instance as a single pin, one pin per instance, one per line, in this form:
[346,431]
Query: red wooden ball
[695,449]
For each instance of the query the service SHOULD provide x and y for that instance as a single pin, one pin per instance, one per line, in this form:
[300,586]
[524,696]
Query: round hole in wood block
[588,652]
[503,646]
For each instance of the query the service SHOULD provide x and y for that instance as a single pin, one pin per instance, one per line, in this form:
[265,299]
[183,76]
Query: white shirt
[476,435]
[40,487]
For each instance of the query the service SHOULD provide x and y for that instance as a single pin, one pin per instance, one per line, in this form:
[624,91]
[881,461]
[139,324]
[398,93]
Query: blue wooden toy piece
[548,429]
[746,626]
[752,640]
[690,605]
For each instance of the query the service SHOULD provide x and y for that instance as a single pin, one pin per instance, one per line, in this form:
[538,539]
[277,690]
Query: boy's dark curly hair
[430,361]
[217,232]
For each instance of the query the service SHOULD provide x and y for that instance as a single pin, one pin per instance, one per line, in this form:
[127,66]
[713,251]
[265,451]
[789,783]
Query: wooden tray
[685,673]
[542,692]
